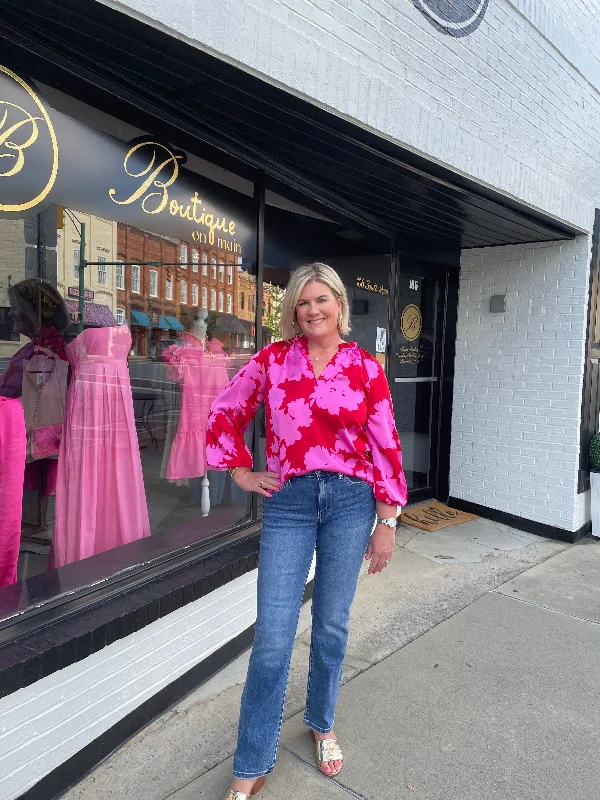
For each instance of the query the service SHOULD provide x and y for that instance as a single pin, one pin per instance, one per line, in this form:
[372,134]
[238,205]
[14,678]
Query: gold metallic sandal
[256,787]
[327,750]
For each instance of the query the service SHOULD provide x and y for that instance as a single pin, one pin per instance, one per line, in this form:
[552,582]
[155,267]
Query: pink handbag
[43,398]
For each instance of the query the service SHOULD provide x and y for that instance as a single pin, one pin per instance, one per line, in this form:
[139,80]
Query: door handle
[415,380]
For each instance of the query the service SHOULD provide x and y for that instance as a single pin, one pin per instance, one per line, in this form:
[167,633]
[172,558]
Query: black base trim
[520,523]
[72,771]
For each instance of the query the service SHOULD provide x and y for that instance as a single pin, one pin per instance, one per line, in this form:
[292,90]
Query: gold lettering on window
[21,129]
[152,202]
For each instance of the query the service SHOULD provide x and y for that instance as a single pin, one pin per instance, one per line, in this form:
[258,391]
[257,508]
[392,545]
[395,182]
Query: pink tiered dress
[201,370]
[100,497]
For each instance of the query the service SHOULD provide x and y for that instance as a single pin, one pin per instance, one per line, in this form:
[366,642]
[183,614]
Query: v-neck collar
[302,343]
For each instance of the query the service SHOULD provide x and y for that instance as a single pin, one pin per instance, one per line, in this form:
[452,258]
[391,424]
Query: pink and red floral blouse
[342,421]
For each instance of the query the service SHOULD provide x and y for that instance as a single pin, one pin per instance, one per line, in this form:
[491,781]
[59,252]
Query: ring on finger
[261,483]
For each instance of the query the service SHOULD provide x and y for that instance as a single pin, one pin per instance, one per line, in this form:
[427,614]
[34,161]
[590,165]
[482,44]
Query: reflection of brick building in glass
[246,301]
[162,298]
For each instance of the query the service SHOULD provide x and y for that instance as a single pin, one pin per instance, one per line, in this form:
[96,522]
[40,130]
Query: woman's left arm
[389,481]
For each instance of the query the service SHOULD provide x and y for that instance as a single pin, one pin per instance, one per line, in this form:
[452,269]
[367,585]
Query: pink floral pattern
[341,422]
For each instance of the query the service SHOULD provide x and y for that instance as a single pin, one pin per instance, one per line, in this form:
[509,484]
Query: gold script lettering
[10,145]
[157,164]
[48,147]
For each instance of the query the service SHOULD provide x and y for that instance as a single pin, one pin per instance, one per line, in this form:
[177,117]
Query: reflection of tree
[273,318]
[211,323]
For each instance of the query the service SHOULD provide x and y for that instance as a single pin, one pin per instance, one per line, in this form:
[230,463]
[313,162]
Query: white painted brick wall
[514,105]
[46,723]
[517,400]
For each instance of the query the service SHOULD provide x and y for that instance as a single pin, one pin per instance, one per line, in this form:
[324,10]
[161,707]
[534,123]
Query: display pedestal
[595,487]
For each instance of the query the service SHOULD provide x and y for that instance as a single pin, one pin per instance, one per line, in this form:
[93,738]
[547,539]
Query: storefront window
[115,386]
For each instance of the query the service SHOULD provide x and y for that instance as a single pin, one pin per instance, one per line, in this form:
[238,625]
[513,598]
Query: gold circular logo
[411,323]
[20,130]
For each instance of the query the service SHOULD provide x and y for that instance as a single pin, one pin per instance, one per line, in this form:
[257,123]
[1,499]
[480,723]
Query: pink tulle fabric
[100,497]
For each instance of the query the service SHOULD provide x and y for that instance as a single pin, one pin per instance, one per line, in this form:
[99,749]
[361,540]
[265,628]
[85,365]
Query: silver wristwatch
[391,522]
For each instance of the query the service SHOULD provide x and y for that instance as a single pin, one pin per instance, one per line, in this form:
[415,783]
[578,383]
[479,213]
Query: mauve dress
[100,497]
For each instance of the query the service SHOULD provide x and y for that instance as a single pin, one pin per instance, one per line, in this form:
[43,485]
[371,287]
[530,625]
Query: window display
[108,367]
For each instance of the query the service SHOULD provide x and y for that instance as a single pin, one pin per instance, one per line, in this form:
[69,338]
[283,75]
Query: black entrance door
[420,381]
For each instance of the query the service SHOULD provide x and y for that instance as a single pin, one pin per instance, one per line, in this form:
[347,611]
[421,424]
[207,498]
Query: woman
[334,461]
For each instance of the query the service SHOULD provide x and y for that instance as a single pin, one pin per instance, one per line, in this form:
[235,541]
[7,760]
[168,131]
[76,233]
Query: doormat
[434,516]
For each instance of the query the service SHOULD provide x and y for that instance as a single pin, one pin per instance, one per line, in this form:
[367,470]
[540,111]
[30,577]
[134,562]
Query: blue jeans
[333,514]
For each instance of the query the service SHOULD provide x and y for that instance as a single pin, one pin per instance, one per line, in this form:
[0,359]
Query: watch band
[391,522]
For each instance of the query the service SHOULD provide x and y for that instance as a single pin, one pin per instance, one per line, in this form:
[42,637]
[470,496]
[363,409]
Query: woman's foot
[241,789]
[329,756]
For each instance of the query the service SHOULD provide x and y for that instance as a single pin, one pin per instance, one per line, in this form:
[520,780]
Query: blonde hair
[316,271]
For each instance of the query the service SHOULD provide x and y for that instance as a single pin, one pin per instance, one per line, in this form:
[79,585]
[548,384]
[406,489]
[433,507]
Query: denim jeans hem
[248,776]
[316,728]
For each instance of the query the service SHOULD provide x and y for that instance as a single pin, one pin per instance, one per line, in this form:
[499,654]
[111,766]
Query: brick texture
[515,427]
[514,105]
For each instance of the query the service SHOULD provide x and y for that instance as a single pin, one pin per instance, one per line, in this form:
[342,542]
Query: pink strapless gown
[100,497]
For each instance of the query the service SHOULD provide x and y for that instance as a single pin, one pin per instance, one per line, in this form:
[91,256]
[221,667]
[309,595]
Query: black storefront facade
[228,159]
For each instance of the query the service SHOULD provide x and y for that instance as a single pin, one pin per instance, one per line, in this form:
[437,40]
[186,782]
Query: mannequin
[198,326]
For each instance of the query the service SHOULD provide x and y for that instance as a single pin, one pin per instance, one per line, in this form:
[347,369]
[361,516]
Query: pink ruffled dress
[202,373]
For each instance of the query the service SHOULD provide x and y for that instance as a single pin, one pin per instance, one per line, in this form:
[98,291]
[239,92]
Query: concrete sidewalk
[471,673]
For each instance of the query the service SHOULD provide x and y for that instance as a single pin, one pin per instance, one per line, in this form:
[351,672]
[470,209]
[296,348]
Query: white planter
[595,487]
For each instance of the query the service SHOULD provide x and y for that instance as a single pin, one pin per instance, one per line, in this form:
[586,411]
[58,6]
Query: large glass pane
[115,408]
[413,377]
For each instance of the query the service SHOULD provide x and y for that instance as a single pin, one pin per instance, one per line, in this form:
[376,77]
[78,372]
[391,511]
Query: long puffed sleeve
[389,480]
[230,415]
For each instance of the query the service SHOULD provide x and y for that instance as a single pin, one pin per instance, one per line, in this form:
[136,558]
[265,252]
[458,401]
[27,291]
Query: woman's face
[318,311]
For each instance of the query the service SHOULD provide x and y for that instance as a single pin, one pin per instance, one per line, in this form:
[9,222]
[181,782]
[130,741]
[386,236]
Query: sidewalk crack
[312,767]
[546,608]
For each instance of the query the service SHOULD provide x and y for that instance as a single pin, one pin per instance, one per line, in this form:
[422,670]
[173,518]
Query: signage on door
[411,322]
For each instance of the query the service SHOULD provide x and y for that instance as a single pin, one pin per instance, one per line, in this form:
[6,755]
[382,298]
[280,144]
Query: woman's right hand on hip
[264,483]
